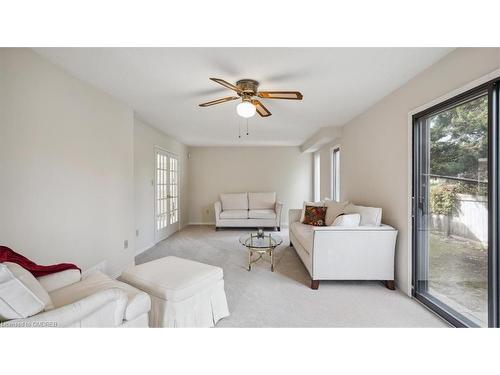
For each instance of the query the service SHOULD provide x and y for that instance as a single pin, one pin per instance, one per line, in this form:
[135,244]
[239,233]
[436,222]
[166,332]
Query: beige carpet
[261,298]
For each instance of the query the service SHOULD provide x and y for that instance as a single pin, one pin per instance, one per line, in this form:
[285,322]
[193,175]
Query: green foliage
[459,138]
[443,199]
[471,188]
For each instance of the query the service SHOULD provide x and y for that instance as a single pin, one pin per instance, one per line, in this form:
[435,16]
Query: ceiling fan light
[245,109]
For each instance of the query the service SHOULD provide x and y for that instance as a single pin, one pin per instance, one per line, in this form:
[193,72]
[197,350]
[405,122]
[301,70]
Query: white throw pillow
[333,210]
[369,215]
[349,220]
[21,295]
[314,204]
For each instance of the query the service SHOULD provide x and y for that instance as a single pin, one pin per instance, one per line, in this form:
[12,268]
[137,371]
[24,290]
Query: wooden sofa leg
[389,284]
[314,284]
[279,229]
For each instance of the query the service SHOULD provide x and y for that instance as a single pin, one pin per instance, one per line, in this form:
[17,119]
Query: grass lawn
[458,269]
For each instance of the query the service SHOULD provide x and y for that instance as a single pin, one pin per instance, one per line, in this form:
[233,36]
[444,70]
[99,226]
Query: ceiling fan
[247,91]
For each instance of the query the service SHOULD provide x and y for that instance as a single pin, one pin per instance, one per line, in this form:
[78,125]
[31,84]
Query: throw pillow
[333,210]
[370,216]
[314,204]
[347,220]
[21,295]
[315,216]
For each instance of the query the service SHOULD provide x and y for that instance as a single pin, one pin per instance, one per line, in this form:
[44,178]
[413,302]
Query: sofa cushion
[347,220]
[262,201]
[21,295]
[262,214]
[315,204]
[138,301]
[304,234]
[58,280]
[234,201]
[315,216]
[370,216]
[172,278]
[333,210]
[234,214]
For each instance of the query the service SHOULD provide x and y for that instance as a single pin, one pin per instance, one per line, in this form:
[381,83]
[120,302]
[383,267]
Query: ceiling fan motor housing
[248,87]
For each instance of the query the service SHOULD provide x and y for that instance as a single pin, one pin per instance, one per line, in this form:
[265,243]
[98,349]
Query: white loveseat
[364,252]
[248,210]
[64,299]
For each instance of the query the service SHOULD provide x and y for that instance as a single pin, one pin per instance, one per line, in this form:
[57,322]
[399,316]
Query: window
[166,194]
[317,180]
[335,173]
[174,190]
[455,209]
[161,190]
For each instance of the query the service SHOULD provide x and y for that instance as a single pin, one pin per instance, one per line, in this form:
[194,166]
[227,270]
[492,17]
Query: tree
[459,138]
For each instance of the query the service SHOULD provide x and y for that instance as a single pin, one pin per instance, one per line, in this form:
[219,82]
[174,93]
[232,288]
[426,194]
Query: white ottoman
[184,293]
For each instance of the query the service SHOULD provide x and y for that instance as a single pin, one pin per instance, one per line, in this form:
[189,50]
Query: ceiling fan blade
[218,101]
[261,110]
[290,95]
[226,84]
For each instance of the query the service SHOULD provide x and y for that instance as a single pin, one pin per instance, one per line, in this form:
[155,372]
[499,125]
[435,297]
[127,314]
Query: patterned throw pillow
[314,216]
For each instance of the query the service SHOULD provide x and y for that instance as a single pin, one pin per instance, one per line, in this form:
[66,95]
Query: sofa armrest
[105,308]
[294,215]
[217,210]
[59,280]
[278,208]
[361,253]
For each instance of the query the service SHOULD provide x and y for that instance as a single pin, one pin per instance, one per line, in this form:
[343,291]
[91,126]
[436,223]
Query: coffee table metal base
[260,252]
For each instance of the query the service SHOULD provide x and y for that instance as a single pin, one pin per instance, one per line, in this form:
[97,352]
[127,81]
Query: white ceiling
[165,85]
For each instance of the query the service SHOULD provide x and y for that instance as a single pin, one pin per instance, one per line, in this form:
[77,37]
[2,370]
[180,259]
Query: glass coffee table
[260,243]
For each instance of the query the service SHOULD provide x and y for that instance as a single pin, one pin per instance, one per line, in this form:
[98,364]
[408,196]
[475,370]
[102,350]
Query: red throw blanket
[9,255]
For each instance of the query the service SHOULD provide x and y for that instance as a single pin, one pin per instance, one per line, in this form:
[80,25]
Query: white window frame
[335,173]
[317,176]
[171,227]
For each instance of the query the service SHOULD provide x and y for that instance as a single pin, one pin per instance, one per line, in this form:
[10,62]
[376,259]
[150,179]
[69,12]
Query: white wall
[375,147]
[215,170]
[326,168]
[145,140]
[66,166]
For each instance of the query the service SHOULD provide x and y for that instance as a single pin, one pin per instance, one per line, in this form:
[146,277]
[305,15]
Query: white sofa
[248,210]
[64,299]
[365,252]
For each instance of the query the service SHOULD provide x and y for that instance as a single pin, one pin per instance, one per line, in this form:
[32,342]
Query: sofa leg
[216,229]
[389,284]
[279,229]
[291,244]
[314,284]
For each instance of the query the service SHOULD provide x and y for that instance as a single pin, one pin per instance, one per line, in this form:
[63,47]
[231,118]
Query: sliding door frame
[490,87]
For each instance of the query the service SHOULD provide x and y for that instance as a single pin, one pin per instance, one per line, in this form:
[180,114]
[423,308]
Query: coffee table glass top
[267,240]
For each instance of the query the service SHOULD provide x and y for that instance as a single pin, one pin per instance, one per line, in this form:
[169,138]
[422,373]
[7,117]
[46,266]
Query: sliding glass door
[454,211]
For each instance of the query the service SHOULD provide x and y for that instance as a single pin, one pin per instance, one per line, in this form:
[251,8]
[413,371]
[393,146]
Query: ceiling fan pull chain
[239,128]
[247,126]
